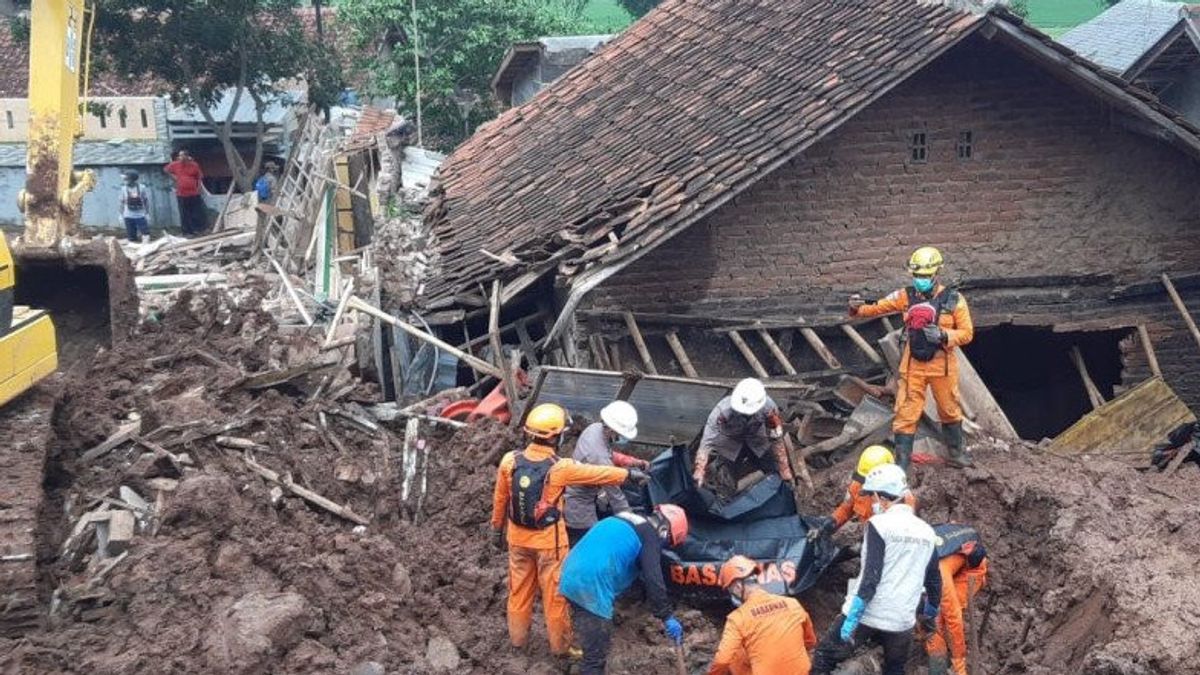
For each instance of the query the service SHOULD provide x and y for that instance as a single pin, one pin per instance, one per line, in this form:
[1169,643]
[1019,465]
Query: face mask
[878,508]
[737,602]
[923,284]
[621,442]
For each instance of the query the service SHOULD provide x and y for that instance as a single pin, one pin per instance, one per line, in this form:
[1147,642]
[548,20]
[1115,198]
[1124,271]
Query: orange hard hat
[677,522]
[735,569]
[546,421]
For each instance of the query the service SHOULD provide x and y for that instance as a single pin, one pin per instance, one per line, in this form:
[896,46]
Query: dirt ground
[1092,563]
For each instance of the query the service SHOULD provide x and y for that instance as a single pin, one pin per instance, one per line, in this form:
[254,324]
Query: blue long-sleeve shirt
[605,563]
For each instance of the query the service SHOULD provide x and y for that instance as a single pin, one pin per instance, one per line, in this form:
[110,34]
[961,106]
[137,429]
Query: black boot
[904,448]
[954,439]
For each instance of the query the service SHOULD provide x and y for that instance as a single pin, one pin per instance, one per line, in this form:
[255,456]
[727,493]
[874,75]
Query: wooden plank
[639,342]
[744,348]
[861,342]
[1181,454]
[599,352]
[1183,310]
[527,346]
[780,357]
[1148,347]
[304,493]
[510,386]
[123,433]
[1126,427]
[818,345]
[681,354]
[1093,392]
[472,361]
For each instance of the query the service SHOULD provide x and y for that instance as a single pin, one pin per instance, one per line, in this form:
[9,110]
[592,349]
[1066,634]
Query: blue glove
[929,614]
[673,629]
[857,606]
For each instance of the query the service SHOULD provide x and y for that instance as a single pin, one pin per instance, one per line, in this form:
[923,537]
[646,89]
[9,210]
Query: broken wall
[1056,207]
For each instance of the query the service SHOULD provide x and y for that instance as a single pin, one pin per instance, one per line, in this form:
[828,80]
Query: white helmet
[749,396]
[887,480]
[621,417]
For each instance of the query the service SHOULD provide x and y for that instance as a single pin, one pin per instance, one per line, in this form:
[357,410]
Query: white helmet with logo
[749,396]
[621,417]
[887,480]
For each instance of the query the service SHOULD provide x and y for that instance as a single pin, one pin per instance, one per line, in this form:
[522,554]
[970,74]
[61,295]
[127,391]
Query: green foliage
[607,16]
[201,49]
[460,43]
[638,8]
[18,27]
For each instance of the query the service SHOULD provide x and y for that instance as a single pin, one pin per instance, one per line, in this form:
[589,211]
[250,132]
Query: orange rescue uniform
[535,556]
[763,637]
[956,595]
[857,505]
[939,374]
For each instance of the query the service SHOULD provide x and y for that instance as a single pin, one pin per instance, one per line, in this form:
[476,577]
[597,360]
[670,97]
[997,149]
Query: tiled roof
[1119,36]
[14,72]
[691,105]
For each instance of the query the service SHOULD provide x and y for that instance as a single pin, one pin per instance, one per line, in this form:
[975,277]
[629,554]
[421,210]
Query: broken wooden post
[819,347]
[599,353]
[337,315]
[1148,347]
[681,354]
[125,432]
[510,386]
[861,342]
[472,361]
[1183,310]
[639,342]
[744,348]
[304,493]
[1093,392]
[780,357]
[287,284]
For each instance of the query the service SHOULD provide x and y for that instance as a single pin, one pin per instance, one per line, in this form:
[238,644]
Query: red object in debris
[460,410]
[926,458]
[920,315]
[494,405]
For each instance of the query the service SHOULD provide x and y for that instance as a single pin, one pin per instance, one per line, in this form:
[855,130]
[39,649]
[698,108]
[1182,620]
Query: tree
[204,50]
[638,8]
[460,43]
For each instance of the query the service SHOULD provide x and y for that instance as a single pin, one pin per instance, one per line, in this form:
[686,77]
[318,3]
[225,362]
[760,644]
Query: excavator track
[26,427]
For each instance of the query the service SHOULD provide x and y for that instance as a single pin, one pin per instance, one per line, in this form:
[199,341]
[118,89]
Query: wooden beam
[887,323]
[818,345]
[744,348]
[1092,392]
[780,357]
[681,354]
[1183,310]
[614,355]
[510,387]
[639,342]
[599,353]
[1148,347]
[861,342]
[472,361]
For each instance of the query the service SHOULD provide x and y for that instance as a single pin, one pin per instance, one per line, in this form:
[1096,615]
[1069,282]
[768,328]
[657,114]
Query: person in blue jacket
[606,562]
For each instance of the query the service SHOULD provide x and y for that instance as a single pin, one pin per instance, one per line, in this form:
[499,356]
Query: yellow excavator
[55,266]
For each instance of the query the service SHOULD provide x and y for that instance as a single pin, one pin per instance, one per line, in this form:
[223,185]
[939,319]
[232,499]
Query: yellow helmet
[926,260]
[874,456]
[546,421]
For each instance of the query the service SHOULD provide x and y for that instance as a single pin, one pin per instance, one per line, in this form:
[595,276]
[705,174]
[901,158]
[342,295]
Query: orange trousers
[957,589]
[910,400]
[531,570]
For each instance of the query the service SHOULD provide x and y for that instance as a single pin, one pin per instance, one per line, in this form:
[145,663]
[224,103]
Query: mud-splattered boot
[939,664]
[904,449]
[954,439]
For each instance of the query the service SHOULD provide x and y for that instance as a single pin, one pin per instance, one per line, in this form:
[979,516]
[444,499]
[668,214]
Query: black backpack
[919,347]
[525,506]
[134,200]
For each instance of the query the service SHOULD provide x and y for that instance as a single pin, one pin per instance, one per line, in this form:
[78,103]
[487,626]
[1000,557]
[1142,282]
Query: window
[145,120]
[122,116]
[965,151]
[103,117]
[918,147]
[8,118]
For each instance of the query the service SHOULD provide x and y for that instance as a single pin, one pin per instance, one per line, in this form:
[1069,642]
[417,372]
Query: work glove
[929,614]
[636,477]
[498,539]
[934,333]
[857,607]
[673,629]
[855,302]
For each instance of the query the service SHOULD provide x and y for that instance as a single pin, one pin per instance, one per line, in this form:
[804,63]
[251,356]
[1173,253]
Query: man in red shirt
[187,175]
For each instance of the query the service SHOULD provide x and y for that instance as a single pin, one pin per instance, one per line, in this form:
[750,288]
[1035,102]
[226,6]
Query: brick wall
[1055,186]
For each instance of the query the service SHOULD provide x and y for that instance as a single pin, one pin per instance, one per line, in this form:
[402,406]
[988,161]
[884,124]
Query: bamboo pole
[640,343]
[1183,310]
[681,354]
[474,362]
[744,348]
[1148,347]
[780,357]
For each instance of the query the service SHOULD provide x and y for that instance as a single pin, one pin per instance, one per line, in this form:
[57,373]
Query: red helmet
[676,521]
[735,569]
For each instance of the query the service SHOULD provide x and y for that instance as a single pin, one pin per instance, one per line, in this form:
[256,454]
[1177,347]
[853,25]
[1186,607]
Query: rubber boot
[958,666]
[903,449]
[954,439]
[939,664]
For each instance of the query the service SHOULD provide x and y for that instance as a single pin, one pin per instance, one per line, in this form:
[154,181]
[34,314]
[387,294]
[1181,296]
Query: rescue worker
[597,446]
[745,426]
[856,504]
[528,493]
[899,556]
[613,554]
[937,323]
[764,634]
[963,565]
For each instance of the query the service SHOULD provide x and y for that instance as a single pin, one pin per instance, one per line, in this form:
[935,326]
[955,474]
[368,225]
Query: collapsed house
[701,202]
